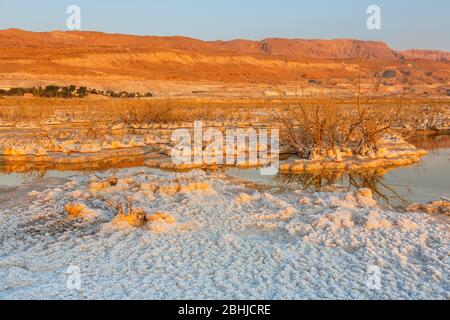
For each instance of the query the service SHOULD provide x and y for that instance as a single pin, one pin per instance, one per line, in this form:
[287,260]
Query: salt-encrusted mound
[392,151]
[207,237]
[432,208]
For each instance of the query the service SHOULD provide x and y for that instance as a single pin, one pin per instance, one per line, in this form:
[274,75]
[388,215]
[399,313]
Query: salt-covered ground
[206,237]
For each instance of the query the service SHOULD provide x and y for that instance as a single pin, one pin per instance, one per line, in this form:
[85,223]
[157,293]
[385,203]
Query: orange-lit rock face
[183,65]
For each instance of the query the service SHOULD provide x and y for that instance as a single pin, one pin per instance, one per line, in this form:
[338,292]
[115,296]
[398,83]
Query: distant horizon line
[221,40]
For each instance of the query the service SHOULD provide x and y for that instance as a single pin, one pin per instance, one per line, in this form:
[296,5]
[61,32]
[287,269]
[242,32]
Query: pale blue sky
[405,23]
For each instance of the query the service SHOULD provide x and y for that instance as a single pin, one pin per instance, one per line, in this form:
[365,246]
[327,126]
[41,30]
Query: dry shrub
[321,116]
[321,124]
[130,110]
[25,113]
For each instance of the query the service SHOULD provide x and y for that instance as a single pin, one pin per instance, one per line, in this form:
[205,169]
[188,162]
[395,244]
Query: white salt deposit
[206,237]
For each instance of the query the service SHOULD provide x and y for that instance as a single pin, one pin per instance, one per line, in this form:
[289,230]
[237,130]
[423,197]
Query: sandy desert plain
[358,209]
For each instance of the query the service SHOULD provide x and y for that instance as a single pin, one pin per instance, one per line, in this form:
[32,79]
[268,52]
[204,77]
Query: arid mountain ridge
[295,48]
[426,54]
[184,65]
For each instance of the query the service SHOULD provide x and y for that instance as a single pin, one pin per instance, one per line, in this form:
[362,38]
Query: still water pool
[426,181]
[423,182]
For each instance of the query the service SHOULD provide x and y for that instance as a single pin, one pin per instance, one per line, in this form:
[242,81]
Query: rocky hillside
[293,48]
[426,54]
[180,65]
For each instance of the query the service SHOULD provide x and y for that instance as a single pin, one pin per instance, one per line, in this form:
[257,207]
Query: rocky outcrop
[181,66]
[295,48]
[426,54]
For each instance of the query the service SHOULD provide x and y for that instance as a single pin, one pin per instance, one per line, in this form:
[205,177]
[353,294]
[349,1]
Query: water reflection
[330,181]
[431,143]
[424,182]
[16,174]
[427,181]
[342,181]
